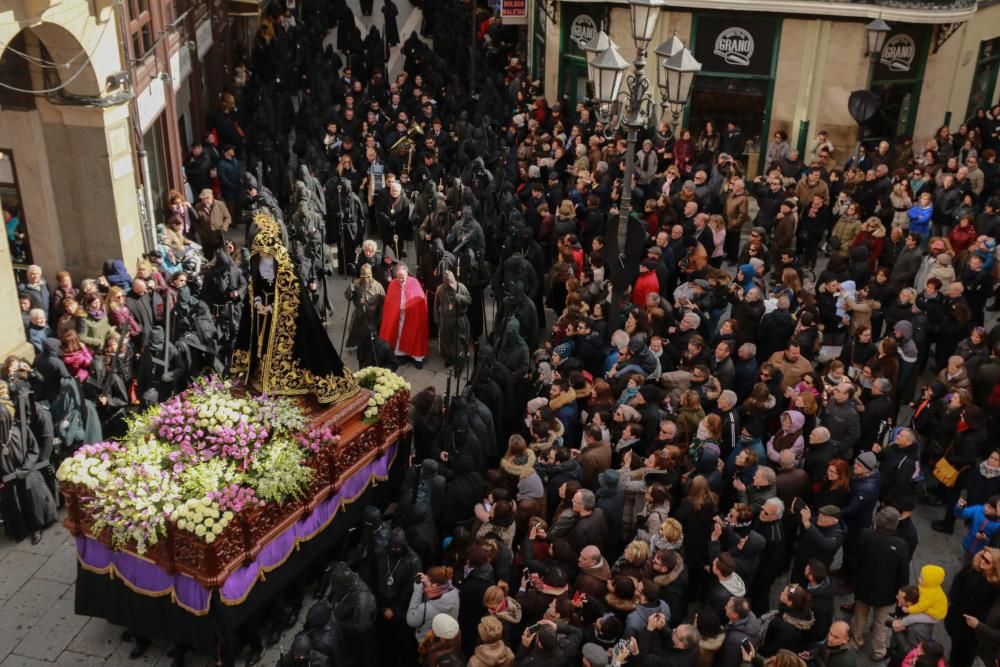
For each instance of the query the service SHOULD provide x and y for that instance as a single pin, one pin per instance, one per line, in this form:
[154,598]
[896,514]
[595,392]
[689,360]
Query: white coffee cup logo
[735,46]
[898,53]
[582,30]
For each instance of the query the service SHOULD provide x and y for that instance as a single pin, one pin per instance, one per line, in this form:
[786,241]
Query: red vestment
[413,341]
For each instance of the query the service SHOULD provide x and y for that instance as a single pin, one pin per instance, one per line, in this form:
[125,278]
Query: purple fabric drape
[147,578]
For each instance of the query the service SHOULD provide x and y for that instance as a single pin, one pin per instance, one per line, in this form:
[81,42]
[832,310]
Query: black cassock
[390,11]
[26,503]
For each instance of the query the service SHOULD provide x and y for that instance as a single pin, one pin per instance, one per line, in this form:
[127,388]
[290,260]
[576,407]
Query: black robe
[312,346]
[390,11]
[26,504]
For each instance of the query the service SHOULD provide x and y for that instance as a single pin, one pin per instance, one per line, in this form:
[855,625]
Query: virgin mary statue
[282,346]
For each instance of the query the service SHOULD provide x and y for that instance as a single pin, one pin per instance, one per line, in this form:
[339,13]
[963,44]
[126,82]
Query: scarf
[434,591]
[784,440]
[988,471]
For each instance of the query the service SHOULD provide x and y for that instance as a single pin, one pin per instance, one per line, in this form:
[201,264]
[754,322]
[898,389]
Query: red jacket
[961,239]
[646,283]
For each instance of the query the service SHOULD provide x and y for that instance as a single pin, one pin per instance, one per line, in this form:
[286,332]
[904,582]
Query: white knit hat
[445,627]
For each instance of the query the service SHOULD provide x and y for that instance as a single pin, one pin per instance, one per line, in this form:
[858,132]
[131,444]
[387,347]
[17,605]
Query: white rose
[209,538]
[182,524]
[199,530]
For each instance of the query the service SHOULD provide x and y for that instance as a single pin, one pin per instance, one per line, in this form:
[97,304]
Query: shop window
[895,113]
[15,71]
[157,182]
[15,223]
[736,83]
[984,79]
[897,77]
[724,99]
[140,28]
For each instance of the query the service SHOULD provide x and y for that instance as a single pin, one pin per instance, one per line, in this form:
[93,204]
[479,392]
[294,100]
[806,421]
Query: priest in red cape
[404,317]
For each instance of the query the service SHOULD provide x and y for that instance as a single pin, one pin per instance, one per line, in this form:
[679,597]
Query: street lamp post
[632,109]
[876,33]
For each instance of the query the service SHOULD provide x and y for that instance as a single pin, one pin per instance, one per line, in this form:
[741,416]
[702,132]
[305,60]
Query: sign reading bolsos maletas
[514,12]
[735,44]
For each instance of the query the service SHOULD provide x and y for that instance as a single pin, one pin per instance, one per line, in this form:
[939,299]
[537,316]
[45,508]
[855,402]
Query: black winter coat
[971,594]
[886,570]
[819,543]
[470,604]
[788,630]
[898,467]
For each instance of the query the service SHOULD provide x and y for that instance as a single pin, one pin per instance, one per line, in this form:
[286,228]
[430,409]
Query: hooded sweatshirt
[933,600]
[907,348]
[641,355]
[496,654]
[788,439]
[636,622]
[748,274]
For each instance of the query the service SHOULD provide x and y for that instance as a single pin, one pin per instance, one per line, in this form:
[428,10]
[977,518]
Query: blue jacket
[860,509]
[978,522]
[229,178]
[920,219]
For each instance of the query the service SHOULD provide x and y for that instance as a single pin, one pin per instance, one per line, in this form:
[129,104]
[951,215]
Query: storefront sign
[898,53]
[582,30]
[514,12]
[203,36]
[901,58]
[735,45]
[150,103]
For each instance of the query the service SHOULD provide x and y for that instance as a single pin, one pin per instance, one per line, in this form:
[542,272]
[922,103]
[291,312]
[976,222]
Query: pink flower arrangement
[235,498]
[316,439]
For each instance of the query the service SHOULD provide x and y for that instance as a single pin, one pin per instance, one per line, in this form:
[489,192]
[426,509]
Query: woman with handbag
[952,469]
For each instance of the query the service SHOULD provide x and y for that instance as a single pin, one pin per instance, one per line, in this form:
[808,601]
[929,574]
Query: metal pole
[638,85]
[472,48]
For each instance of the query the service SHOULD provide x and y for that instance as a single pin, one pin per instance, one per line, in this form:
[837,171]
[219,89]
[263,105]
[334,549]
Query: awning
[247,7]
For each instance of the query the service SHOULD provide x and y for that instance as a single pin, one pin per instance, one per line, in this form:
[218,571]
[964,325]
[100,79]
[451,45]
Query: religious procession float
[218,497]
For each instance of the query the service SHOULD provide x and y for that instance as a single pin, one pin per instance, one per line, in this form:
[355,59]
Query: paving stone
[20,614]
[60,566]
[22,661]
[154,655]
[97,638]
[53,539]
[18,567]
[75,659]
[53,632]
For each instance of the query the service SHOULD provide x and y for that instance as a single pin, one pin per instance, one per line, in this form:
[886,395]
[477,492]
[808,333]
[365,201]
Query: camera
[623,645]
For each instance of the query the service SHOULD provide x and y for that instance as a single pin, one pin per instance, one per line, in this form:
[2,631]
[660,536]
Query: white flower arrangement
[278,472]
[132,503]
[383,383]
[201,516]
[198,480]
[90,465]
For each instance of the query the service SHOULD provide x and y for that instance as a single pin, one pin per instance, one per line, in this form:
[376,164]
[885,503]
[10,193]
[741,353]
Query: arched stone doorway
[72,152]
